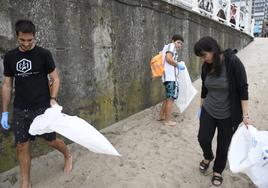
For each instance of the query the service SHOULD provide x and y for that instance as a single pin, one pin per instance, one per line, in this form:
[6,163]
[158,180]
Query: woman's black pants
[206,132]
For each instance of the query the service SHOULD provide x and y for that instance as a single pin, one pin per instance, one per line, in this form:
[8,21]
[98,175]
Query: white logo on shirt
[24,65]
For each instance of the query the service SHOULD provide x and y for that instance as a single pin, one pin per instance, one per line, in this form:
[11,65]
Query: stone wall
[102,49]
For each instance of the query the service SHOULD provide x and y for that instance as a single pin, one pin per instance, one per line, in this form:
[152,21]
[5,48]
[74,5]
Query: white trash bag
[186,89]
[73,128]
[248,154]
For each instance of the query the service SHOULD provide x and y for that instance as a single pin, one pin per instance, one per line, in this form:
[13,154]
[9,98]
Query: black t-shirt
[30,70]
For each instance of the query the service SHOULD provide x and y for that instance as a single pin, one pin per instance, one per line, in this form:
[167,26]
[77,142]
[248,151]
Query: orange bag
[157,65]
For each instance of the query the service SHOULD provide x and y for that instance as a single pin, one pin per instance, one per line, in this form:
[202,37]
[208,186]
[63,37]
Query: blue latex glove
[4,120]
[180,66]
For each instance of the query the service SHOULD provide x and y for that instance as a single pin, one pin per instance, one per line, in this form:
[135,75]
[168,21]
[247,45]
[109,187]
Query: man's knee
[55,142]
[51,143]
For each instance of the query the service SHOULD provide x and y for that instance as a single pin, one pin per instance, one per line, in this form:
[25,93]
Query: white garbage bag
[248,154]
[73,128]
[186,89]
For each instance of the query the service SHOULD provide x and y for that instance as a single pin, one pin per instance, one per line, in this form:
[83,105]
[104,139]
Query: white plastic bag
[73,128]
[186,89]
[248,154]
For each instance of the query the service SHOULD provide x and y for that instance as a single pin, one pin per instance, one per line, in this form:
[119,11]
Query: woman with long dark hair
[224,102]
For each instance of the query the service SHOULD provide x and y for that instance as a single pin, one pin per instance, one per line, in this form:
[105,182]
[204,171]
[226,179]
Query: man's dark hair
[24,26]
[177,37]
[209,44]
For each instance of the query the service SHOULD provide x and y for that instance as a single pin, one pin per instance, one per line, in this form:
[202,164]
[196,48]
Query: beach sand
[153,155]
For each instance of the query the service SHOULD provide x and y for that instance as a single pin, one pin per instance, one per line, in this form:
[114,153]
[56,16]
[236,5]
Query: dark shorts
[172,90]
[22,119]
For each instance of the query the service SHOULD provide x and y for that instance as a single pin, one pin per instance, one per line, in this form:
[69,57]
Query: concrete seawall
[102,49]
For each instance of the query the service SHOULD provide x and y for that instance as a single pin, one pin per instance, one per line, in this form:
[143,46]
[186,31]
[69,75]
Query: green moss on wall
[103,110]
[8,156]
[134,97]
[100,112]
[156,91]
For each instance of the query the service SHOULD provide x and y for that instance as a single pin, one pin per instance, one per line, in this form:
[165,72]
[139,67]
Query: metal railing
[236,15]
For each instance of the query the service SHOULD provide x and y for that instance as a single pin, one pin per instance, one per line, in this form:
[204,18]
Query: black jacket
[238,87]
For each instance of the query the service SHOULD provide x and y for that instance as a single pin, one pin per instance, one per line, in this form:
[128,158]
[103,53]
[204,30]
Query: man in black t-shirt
[30,66]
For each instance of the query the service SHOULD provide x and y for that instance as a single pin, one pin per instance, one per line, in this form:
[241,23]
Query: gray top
[217,101]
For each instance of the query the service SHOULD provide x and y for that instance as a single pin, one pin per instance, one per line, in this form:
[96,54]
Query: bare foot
[68,165]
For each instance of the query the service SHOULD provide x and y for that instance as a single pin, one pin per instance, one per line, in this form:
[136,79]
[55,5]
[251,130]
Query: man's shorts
[172,89]
[22,119]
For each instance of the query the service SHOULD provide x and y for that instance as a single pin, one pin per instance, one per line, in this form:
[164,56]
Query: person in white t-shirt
[169,78]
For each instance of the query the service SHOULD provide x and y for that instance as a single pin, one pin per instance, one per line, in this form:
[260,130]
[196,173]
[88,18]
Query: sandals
[216,180]
[203,167]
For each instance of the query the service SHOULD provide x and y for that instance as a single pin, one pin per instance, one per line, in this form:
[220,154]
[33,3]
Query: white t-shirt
[171,72]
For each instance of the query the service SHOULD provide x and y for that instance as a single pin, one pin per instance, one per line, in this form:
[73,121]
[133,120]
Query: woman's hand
[246,121]
[53,102]
[245,110]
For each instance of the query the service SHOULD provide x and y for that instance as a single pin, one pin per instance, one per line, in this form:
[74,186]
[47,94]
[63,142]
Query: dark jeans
[207,128]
